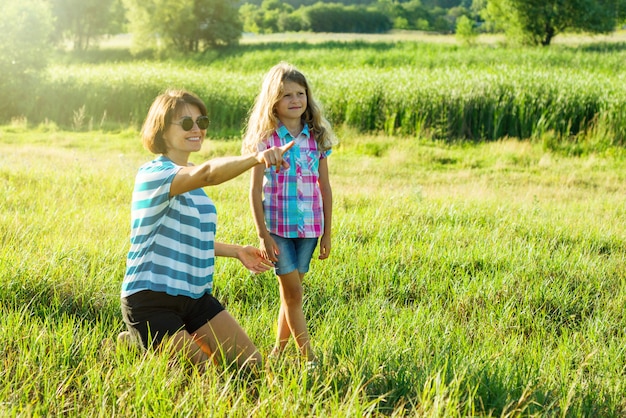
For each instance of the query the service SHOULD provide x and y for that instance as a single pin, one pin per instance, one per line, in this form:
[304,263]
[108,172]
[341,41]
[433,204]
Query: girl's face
[293,103]
[180,143]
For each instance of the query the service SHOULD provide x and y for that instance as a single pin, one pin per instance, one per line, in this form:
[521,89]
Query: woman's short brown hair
[163,110]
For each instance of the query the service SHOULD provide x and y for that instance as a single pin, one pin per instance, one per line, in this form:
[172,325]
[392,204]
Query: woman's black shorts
[153,315]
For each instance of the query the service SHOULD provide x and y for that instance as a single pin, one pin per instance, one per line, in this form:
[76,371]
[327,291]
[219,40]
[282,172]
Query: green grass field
[465,280]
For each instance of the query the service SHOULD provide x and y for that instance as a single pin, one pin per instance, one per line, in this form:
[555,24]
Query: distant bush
[273,16]
[334,17]
[465,30]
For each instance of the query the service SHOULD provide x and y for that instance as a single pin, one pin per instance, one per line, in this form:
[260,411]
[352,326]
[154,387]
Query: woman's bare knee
[229,339]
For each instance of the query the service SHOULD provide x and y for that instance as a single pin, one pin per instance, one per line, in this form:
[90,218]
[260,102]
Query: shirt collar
[282,131]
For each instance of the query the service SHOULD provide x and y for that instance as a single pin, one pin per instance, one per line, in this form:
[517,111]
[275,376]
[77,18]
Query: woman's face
[293,103]
[180,143]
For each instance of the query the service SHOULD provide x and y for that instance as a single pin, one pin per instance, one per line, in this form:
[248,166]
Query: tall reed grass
[406,88]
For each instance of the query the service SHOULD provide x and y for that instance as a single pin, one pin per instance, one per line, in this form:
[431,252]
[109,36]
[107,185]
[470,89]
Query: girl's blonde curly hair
[263,121]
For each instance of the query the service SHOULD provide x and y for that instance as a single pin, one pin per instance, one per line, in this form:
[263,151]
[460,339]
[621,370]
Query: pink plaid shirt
[292,200]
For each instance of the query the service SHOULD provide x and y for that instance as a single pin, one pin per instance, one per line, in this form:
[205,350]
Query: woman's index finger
[287,146]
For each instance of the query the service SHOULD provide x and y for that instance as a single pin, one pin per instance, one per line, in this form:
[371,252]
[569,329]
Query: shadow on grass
[120,55]
[604,47]
[48,299]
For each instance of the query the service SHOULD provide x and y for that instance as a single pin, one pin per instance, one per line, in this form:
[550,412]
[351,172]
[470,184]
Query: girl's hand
[252,259]
[269,249]
[274,156]
[324,247]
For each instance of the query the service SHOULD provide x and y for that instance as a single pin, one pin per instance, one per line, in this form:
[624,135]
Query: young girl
[292,207]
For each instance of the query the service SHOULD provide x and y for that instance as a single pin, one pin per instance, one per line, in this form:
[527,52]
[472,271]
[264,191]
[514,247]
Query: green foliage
[175,27]
[25,28]
[83,21]
[536,22]
[415,15]
[446,4]
[271,17]
[379,17]
[250,17]
[218,24]
[465,30]
[296,4]
[335,17]
[412,12]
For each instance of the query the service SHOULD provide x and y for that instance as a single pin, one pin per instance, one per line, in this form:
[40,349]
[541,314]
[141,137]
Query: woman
[167,288]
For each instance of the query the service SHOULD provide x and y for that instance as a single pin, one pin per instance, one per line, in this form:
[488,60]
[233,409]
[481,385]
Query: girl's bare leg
[283,333]
[291,304]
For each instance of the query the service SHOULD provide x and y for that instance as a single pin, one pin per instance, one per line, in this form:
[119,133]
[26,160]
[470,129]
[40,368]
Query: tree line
[195,25]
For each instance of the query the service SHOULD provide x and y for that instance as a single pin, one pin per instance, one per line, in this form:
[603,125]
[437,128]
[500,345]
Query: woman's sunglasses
[186,122]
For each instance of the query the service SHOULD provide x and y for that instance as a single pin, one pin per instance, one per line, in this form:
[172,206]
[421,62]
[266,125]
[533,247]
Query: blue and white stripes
[172,239]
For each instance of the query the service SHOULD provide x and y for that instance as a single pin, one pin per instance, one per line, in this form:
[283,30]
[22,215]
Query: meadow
[467,277]
[465,280]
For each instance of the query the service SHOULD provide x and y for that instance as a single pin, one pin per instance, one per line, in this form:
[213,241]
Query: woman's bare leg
[224,337]
[186,344]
